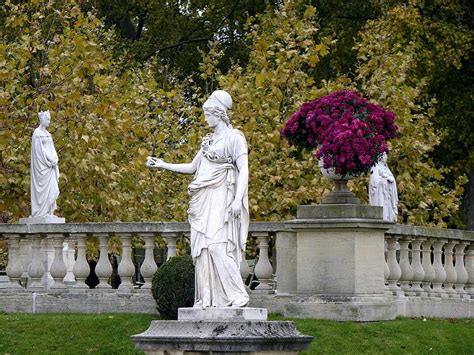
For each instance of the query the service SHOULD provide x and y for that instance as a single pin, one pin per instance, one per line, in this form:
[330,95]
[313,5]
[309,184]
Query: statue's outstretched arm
[186,168]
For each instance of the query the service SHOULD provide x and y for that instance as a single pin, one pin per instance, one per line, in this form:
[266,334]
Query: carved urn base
[341,194]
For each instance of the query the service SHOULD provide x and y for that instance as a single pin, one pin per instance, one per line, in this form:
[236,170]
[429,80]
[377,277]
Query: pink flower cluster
[349,131]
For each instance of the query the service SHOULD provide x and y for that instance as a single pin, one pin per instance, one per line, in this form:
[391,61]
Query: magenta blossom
[350,133]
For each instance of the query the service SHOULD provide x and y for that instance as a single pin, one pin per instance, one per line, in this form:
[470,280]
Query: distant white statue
[44,170]
[383,189]
[218,210]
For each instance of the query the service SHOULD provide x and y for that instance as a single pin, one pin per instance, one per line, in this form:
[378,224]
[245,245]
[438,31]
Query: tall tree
[53,56]
[175,32]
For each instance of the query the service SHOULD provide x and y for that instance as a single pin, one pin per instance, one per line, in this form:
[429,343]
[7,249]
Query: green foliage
[173,286]
[108,113]
[174,32]
[104,118]
[266,91]
[395,58]
[342,20]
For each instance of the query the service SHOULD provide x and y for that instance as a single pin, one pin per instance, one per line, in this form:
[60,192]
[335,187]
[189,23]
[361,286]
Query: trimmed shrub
[173,286]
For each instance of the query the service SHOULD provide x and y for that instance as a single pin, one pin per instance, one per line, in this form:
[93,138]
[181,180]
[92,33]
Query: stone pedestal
[223,314]
[42,220]
[221,330]
[340,263]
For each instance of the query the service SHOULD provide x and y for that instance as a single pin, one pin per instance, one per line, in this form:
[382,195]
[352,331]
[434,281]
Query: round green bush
[173,286]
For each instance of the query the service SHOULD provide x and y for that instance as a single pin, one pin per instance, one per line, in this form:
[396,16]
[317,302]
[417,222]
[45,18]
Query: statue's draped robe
[44,174]
[383,191]
[217,239]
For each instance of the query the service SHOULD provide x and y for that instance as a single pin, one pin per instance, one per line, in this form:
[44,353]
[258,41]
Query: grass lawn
[109,334]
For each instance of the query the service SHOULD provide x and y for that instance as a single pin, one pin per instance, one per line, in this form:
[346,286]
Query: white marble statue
[44,170]
[218,210]
[383,189]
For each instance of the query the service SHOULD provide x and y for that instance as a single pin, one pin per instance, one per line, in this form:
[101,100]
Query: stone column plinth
[340,263]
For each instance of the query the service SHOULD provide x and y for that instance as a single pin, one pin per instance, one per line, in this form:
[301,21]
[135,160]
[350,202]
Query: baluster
[103,269]
[395,270]
[81,267]
[263,269]
[68,257]
[386,272]
[14,267]
[25,253]
[451,275]
[36,268]
[171,238]
[418,272]
[470,270]
[126,268]
[427,267]
[461,269]
[407,272]
[47,256]
[440,273]
[58,267]
[149,266]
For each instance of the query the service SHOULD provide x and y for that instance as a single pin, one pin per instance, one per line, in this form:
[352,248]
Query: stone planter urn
[340,194]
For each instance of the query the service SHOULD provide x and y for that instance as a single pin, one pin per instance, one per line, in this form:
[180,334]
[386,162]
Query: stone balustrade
[422,264]
[429,262]
[34,242]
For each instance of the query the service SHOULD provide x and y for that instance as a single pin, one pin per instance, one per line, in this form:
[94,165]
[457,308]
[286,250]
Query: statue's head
[44,117]
[217,104]
[383,158]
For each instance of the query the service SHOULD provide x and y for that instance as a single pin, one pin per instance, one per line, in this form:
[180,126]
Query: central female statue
[218,210]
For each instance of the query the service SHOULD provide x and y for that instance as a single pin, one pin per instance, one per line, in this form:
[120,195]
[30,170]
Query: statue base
[223,313]
[42,220]
[221,330]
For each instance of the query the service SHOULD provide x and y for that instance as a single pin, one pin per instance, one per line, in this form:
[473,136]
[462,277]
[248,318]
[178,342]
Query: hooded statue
[44,170]
[383,189]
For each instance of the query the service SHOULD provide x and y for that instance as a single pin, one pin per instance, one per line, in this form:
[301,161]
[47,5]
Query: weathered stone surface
[95,301]
[286,262]
[334,211]
[340,195]
[364,309]
[121,227]
[77,301]
[434,307]
[339,259]
[223,313]
[357,309]
[222,336]
[42,220]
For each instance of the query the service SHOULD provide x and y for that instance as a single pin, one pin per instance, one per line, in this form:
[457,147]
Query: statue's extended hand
[153,162]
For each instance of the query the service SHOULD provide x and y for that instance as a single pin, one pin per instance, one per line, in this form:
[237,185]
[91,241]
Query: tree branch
[192,40]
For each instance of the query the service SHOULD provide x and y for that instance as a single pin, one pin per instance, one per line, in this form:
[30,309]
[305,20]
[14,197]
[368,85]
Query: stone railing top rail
[427,232]
[183,227]
[120,227]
